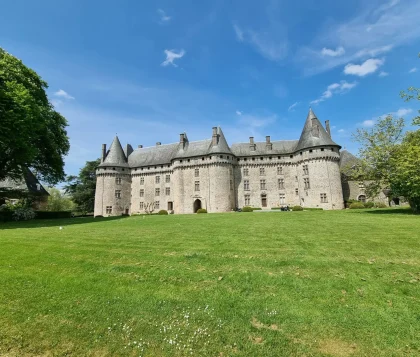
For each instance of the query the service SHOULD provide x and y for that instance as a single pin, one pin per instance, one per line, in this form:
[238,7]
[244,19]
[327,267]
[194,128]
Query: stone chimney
[268,143]
[103,152]
[182,140]
[158,143]
[214,138]
[252,145]
[327,127]
[140,146]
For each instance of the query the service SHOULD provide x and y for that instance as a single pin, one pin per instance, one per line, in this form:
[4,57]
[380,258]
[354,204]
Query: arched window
[361,198]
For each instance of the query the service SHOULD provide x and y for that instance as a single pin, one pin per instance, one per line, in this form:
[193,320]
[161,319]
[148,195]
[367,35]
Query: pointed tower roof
[313,134]
[115,155]
[222,145]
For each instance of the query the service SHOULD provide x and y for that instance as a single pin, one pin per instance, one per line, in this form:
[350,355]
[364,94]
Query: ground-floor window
[170,206]
[108,209]
[362,198]
[247,200]
[157,204]
[282,198]
[324,198]
[141,206]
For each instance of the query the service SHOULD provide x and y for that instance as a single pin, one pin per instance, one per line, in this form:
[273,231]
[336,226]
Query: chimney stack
[140,146]
[158,143]
[327,127]
[214,138]
[103,152]
[251,143]
[268,143]
[182,139]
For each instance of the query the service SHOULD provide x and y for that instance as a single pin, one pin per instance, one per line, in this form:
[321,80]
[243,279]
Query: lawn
[316,283]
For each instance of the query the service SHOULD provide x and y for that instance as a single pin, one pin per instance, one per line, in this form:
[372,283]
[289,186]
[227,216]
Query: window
[305,170]
[279,170]
[117,193]
[296,178]
[197,172]
[297,191]
[282,198]
[168,191]
[322,149]
[197,186]
[361,198]
[108,209]
[118,180]
[306,182]
[168,178]
[141,192]
[231,184]
[246,185]
[246,171]
[141,206]
[247,200]
[157,204]
[262,171]
[324,198]
[262,184]
[281,184]
[157,191]
[157,179]
[141,180]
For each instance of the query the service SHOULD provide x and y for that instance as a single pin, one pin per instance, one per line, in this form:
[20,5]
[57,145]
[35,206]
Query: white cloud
[412,70]
[402,112]
[163,17]
[368,123]
[339,51]
[367,67]
[292,107]
[373,52]
[171,56]
[270,44]
[56,103]
[335,88]
[63,94]
[257,121]
[341,131]
[238,112]
[383,74]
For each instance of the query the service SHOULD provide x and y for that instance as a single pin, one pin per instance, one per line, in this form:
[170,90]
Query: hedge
[163,212]
[247,209]
[52,214]
[201,210]
[297,208]
[357,205]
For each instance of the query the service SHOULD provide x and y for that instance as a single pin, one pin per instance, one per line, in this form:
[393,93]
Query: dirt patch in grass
[256,340]
[259,325]
[336,348]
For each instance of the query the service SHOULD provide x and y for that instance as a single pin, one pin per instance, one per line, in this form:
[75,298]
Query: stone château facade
[185,176]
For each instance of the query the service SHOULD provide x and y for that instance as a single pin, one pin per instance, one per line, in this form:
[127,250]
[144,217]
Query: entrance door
[197,205]
[263,200]
[127,211]
[170,206]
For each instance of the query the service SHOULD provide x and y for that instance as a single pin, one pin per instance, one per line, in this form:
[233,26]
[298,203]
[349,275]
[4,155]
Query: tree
[82,188]
[32,133]
[57,201]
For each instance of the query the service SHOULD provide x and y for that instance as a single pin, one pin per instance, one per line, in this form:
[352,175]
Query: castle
[188,175]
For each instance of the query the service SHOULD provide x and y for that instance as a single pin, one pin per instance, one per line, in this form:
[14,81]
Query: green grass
[311,283]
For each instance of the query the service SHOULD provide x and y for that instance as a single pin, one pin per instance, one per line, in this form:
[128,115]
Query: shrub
[380,205]
[247,209]
[297,208]
[369,204]
[357,205]
[52,214]
[23,214]
[201,210]
[256,208]
[163,212]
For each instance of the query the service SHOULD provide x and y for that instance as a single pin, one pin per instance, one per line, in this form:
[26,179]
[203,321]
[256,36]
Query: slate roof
[193,148]
[278,147]
[115,155]
[29,183]
[154,155]
[307,139]
[222,146]
[347,159]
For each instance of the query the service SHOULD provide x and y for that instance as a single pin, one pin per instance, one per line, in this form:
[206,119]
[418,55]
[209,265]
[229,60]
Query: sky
[149,70]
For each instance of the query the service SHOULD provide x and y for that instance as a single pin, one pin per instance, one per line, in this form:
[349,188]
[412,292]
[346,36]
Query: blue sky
[149,70]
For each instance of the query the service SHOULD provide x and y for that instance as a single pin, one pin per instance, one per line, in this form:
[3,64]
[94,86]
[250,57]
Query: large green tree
[32,133]
[82,188]
[58,201]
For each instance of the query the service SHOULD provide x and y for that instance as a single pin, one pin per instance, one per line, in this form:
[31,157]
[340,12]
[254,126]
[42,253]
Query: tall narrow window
[281,184]
[168,191]
[157,204]
[157,179]
[141,180]
[231,184]
[141,192]
[168,178]
[197,172]
[297,191]
[262,184]
[246,185]
[306,182]
[262,171]
[117,193]
[246,171]
[324,198]
[157,191]
[118,180]
[108,209]
[197,186]
[279,170]
[141,206]
[282,198]
[305,170]
[247,200]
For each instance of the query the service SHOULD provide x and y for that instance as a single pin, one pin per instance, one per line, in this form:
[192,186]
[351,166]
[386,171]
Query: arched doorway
[197,205]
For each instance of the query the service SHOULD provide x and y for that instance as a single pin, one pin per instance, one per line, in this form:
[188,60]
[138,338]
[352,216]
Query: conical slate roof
[312,136]
[347,159]
[115,155]
[222,146]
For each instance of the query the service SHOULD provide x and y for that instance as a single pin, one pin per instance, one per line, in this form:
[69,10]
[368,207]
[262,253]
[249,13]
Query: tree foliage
[58,201]
[32,133]
[82,188]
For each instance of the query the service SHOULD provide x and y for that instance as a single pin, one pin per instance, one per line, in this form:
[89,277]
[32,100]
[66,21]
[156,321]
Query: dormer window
[38,187]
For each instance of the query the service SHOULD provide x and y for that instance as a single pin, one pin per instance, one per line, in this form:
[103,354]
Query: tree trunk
[414,204]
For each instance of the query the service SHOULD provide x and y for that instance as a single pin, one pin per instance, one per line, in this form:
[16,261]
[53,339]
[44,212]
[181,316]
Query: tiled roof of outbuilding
[29,183]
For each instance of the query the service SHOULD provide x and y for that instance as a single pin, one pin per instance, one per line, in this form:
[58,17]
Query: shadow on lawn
[389,211]
[38,223]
